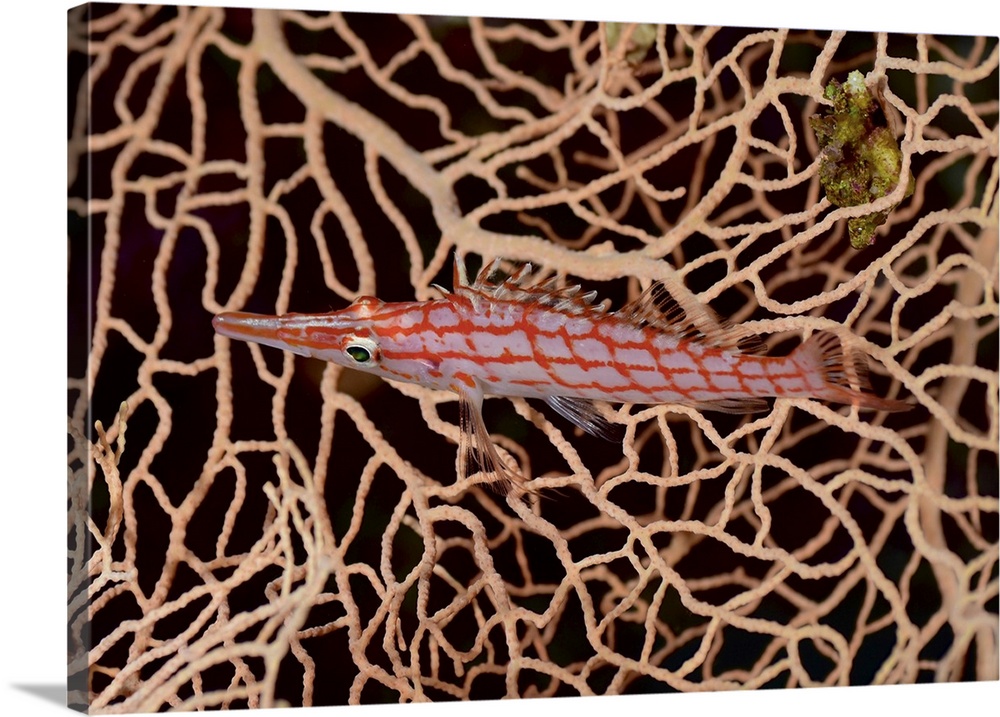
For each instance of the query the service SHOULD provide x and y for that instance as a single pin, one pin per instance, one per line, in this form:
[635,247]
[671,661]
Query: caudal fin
[845,377]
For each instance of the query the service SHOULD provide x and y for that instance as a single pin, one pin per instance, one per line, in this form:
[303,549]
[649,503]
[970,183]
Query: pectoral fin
[476,449]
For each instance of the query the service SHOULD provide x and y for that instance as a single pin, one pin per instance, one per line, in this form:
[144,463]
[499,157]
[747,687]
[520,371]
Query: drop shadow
[53,692]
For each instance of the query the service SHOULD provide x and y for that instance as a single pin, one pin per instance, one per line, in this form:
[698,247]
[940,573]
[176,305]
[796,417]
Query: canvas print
[453,358]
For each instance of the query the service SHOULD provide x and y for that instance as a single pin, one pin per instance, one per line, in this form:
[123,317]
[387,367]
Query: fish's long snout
[244,326]
[258,328]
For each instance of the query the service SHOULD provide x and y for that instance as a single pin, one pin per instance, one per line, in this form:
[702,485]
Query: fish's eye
[363,351]
[359,353]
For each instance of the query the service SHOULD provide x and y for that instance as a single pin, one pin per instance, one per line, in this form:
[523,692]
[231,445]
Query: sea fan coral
[279,531]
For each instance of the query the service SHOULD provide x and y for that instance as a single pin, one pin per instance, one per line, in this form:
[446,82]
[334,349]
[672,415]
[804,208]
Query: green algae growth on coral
[642,39]
[859,160]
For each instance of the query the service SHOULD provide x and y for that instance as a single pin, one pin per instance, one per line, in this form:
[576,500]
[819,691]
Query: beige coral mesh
[252,529]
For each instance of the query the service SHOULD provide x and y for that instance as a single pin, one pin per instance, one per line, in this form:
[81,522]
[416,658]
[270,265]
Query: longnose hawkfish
[514,335]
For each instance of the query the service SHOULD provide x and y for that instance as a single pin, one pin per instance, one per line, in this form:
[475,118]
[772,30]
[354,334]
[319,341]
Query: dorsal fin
[523,285]
[688,320]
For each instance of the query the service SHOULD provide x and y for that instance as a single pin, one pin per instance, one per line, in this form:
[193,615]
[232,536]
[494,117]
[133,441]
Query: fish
[517,334]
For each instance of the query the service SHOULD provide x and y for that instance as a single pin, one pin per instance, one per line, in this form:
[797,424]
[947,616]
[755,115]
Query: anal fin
[733,405]
[585,414]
